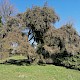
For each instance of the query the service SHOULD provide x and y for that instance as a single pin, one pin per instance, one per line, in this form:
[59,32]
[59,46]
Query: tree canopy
[38,20]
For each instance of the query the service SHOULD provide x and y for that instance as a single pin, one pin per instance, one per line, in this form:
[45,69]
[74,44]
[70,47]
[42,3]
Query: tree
[61,47]
[13,41]
[0,21]
[6,10]
[38,20]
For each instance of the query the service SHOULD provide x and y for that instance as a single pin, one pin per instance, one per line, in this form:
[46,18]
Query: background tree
[6,9]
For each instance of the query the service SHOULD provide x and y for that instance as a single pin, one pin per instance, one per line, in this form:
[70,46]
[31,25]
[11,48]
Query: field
[36,72]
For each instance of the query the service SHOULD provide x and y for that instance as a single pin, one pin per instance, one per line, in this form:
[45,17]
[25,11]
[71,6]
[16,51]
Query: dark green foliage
[72,62]
[61,47]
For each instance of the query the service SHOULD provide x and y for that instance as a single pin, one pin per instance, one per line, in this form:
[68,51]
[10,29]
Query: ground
[36,72]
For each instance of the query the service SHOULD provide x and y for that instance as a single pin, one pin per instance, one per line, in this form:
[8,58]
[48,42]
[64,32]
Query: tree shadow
[20,62]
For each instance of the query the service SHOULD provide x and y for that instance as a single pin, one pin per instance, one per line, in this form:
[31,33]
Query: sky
[67,10]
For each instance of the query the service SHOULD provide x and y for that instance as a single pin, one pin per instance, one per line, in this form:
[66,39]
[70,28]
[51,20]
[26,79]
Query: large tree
[38,20]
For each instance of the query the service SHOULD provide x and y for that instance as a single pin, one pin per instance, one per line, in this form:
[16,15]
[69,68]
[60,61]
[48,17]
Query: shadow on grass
[18,62]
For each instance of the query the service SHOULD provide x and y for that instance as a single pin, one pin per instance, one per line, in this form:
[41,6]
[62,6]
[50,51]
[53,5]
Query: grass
[36,72]
[16,57]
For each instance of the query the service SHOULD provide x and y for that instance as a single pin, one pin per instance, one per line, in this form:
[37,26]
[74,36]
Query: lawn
[36,72]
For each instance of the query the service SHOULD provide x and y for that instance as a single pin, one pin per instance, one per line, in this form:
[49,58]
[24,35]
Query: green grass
[35,72]
[16,57]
